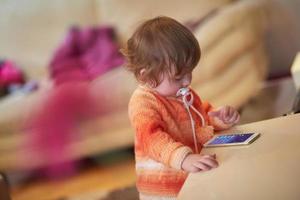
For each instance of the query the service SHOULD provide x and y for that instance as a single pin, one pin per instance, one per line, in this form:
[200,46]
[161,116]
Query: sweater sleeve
[151,136]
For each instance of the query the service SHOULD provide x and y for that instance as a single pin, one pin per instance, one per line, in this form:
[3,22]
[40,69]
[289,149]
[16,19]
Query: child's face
[170,85]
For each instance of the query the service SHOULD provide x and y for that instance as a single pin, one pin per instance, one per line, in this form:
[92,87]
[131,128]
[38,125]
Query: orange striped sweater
[163,137]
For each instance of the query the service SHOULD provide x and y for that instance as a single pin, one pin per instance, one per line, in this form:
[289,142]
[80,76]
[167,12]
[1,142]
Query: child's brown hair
[158,46]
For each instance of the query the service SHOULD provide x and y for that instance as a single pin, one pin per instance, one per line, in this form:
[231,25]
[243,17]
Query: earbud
[182,92]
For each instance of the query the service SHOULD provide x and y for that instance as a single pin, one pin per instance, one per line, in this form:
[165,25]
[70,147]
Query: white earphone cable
[185,93]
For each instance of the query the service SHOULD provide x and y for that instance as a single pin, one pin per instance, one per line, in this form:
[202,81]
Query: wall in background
[284,34]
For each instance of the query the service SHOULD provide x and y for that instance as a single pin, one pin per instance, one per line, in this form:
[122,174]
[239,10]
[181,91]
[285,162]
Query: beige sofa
[231,70]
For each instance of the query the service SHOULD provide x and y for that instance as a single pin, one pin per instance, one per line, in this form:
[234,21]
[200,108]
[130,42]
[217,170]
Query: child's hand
[197,162]
[227,114]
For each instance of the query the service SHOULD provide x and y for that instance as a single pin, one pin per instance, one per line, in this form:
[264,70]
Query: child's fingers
[238,119]
[229,114]
[210,162]
[194,169]
[214,113]
[226,111]
[202,166]
[233,118]
[213,156]
[232,113]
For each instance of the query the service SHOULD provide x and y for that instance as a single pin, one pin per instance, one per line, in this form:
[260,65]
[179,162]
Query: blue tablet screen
[234,138]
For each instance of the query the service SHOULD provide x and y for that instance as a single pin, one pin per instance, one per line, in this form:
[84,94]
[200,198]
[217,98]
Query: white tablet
[231,139]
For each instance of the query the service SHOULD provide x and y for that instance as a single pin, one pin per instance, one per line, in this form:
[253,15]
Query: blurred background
[64,130]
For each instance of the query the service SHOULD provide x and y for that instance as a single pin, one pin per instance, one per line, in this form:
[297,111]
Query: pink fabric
[85,54]
[10,74]
[56,125]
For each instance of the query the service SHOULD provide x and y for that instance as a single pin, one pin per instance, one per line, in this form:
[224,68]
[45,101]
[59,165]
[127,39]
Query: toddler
[171,122]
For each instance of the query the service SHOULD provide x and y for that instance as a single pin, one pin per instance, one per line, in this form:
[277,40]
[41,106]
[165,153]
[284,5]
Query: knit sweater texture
[163,138]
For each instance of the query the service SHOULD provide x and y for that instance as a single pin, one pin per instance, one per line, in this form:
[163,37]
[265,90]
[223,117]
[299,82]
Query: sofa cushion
[31,29]
[126,15]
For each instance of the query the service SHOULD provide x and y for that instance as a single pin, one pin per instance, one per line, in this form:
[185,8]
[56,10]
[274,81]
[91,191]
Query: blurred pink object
[53,128]
[85,54]
[10,74]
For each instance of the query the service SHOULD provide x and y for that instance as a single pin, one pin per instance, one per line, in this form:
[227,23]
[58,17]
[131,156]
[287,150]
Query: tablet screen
[234,138]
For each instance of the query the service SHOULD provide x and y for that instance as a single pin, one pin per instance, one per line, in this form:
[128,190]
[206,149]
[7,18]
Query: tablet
[232,139]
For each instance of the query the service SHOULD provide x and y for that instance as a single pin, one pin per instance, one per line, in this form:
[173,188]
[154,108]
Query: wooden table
[269,168]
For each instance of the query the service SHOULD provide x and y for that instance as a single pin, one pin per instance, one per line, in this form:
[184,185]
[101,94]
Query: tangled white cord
[188,99]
